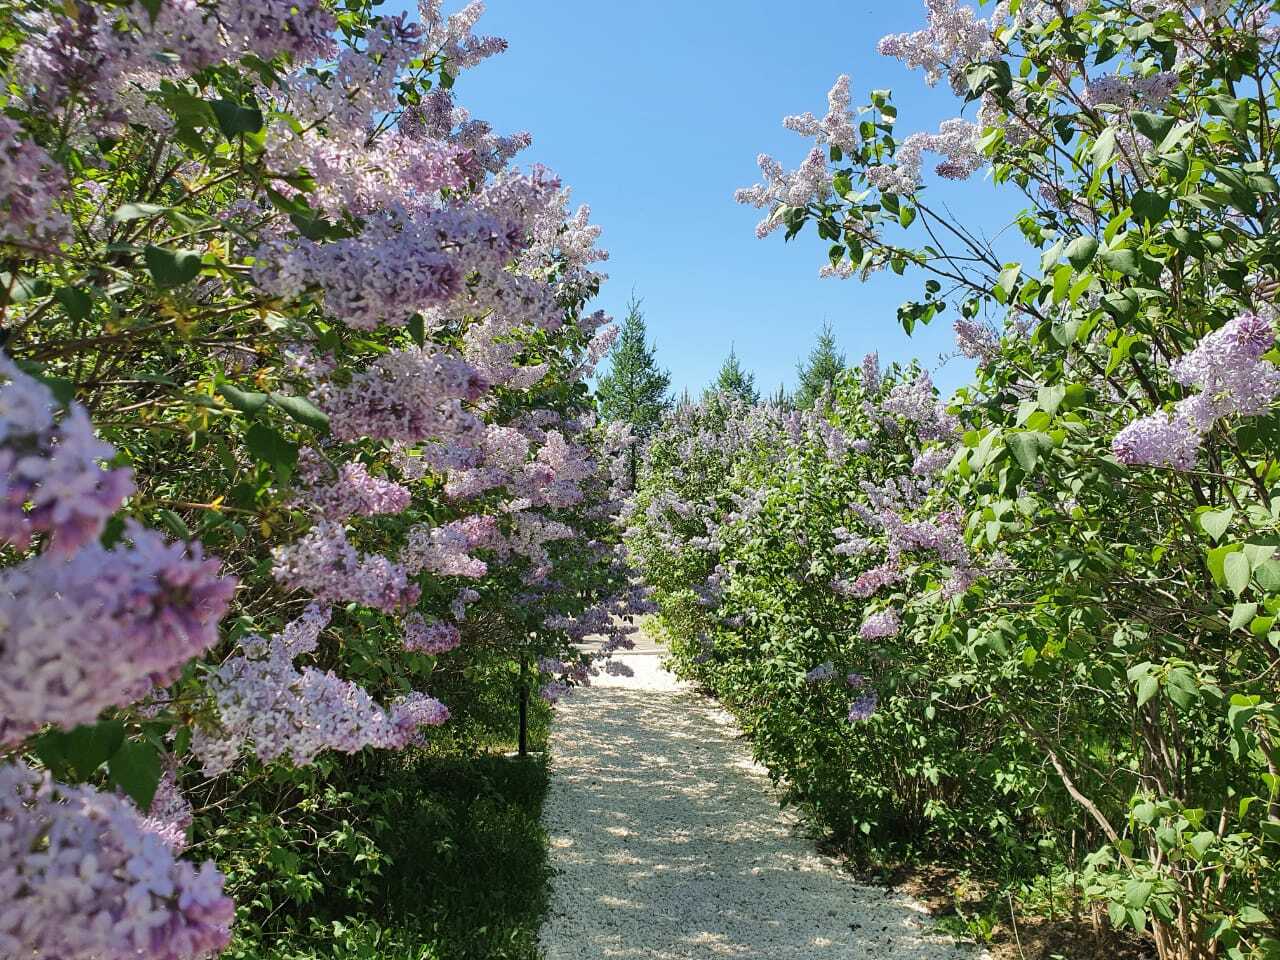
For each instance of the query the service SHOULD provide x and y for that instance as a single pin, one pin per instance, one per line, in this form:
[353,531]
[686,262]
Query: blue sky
[654,113]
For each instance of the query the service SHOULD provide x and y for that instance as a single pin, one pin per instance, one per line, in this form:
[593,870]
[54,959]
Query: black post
[524,705]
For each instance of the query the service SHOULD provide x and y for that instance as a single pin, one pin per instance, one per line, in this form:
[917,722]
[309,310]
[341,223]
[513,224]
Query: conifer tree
[735,381]
[820,371]
[634,390]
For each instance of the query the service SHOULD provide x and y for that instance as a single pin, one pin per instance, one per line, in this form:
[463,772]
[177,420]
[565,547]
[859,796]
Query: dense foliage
[294,429]
[1059,598]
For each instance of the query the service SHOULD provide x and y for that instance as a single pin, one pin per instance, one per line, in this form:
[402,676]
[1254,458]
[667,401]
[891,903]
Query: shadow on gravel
[671,846]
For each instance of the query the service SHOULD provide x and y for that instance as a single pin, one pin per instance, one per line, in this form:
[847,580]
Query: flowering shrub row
[1069,628]
[294,432]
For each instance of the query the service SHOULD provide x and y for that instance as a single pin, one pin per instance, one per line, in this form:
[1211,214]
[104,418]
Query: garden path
[669,843]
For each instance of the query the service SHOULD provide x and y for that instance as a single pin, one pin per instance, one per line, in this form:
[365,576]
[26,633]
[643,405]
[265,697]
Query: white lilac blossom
[956,139]
[954,38]
[838,128]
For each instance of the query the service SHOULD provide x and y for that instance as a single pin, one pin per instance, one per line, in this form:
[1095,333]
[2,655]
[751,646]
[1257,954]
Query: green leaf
[171,268]
[302,410]
[1201,842]
[1122,261]
[1236,572]
[75,301]
[1008,279]
[1215,522]
[270,447]
[246,401]
[1154,126]
[1242,615]
[1081,251]
[17,288]
[1268,576]
[1147,688]
[1049,399]
[76,754]
[176,525]
[137,211]
[1028,447]
[417,329]
[1104,148]
[1137,893]
[1150,206]
[136,768]
[235,119]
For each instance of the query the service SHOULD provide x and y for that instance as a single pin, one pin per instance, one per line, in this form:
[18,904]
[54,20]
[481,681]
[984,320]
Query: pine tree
[735,381]
[634,391]
[820,371]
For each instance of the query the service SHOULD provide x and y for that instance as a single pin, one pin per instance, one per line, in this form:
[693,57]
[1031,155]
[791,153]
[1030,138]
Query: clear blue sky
[654,113]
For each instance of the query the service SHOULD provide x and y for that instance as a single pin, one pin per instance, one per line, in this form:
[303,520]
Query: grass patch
[455,867]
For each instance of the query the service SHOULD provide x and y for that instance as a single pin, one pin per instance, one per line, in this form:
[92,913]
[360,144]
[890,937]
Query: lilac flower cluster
[1131,92]
[262,699]
[917,402]
[325,564]
[976,340]
[838,128]
[864,707]
[433,637]
[446,550]
[112,59]
[153,605]
[885,623]
[820,673]
[1228,369]
[31,190]
[954,38]
[84,877]
[53,467]
[350,491]
[956,139]
[410,395]
[170,815]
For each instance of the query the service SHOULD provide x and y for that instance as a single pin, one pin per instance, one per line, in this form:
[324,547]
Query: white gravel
[669,843]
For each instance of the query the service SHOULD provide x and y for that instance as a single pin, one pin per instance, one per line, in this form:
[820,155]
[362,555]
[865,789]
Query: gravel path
[670,845]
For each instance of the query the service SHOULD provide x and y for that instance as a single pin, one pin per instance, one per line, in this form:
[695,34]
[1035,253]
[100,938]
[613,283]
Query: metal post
[524,705]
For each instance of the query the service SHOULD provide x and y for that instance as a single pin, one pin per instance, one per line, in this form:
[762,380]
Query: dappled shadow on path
[671,846]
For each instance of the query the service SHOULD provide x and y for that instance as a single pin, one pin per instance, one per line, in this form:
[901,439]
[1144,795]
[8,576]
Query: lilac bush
[297,457]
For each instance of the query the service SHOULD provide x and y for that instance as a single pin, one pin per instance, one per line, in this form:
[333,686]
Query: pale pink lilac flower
[83,878]
[153,605]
